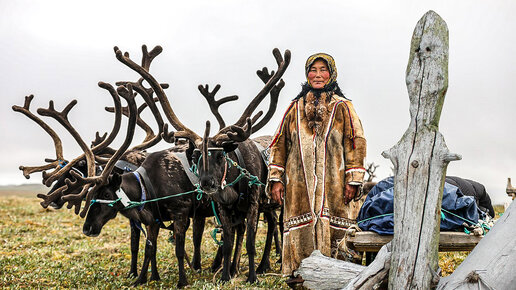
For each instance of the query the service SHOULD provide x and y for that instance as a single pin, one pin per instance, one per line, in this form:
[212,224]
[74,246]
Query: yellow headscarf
[329,61]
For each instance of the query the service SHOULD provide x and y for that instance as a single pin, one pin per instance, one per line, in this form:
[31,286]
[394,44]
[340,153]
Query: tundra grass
[43,248]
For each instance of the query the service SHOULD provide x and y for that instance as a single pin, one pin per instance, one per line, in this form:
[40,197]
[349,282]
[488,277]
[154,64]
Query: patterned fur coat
[318,148]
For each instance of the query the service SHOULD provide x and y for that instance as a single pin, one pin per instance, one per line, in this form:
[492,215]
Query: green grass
[41,248]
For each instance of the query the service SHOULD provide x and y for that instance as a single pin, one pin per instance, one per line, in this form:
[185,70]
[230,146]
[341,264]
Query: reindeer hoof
[155,277]
[225,277]
[252,279]
[262,268]
[196,267]
[182,284]
[139,281]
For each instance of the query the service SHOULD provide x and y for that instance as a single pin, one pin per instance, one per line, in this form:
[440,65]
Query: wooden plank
[420,159]
[491,264]
[448,241]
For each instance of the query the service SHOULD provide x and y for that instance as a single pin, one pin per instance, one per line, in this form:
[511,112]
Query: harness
[148,193]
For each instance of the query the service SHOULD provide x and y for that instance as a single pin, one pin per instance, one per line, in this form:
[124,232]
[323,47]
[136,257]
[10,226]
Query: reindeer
[225,141]
[132,158]
[106,180]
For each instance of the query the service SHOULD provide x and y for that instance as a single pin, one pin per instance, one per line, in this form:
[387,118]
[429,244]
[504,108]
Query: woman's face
[318,74]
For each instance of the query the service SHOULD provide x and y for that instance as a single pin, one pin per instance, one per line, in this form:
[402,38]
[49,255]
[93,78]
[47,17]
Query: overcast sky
[59,50]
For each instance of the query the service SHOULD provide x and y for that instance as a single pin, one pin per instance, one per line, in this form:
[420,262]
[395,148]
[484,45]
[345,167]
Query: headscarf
[330,62]
[332,87]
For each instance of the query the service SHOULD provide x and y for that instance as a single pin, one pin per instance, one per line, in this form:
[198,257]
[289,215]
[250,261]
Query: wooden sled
[448,241]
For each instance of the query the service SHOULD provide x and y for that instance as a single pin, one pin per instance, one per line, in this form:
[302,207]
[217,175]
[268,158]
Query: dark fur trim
[331,89]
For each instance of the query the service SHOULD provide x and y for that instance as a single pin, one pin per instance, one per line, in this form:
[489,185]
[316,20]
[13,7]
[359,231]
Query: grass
[43,248]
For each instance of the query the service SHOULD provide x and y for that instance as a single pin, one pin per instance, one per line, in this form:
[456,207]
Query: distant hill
[23,190]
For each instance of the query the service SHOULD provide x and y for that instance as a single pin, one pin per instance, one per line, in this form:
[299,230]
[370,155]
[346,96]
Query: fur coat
[317,149]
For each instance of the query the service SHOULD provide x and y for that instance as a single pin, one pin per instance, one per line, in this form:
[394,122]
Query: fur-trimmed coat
[317,149]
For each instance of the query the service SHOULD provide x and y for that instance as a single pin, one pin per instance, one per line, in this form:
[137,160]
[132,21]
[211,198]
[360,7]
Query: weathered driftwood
[448,241]
[321,272]
[420,159]
[376,273]
[491,264]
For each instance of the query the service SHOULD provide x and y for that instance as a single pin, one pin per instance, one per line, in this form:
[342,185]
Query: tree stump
[491,264]
[420,159]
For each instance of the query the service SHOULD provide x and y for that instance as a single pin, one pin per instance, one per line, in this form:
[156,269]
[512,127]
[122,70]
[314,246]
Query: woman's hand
[277,192]
[350,193]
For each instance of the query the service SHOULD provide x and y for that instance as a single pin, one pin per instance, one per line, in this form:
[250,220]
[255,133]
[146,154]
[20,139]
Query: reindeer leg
[252,216]
[198,229]
[135,245]
[217,262]
[154,248]
[180,227]
[281,228]
[238,250]
[277,241]
[150,246]
[227,247]
[271,226]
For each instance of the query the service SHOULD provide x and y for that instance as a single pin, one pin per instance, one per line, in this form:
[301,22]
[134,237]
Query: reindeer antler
[182,130]
[265,76]
[242,125]
[283,62]
[27,170]
[102,143]
[62,118]
[92,183]
[146,94]
[214,105]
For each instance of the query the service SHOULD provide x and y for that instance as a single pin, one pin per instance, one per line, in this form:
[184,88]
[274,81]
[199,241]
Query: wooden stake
[420,159]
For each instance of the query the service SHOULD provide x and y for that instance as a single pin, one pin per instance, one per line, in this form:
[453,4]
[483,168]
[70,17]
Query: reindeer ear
[229,146]
[115,180]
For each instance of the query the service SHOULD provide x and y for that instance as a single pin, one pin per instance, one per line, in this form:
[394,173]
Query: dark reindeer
[98,185]
[228,138]
[238,203]
[134,156]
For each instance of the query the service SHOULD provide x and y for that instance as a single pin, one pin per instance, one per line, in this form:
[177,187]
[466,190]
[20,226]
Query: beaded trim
[298,220]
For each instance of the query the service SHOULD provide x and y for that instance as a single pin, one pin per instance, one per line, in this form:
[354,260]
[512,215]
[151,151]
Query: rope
[253,179]
[216,230]
[482,225]
[139,203]
[371,218]
[350,254]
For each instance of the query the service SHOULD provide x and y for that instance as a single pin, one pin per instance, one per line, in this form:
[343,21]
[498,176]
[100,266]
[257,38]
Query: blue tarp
[376,212]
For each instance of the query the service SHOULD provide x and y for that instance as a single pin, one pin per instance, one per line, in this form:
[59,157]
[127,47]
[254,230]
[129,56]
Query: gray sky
[60,49]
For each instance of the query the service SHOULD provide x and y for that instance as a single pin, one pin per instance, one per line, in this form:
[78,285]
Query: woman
[317,165]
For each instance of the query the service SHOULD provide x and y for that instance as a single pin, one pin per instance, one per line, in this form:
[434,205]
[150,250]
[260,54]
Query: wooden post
[491,264]
[511,191]
[420,159]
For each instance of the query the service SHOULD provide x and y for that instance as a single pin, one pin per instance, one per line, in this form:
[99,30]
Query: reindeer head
[100,213]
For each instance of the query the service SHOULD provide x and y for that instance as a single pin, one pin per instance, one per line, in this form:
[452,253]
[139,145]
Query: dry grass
[42,248]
